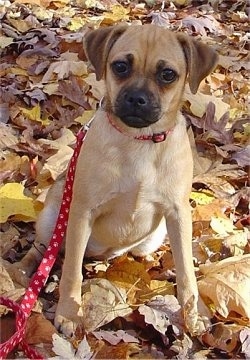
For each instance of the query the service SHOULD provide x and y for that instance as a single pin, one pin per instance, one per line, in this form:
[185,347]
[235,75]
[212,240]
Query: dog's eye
[120,67]
[168,75]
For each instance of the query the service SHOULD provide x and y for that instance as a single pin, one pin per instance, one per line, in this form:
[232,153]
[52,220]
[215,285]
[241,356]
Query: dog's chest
[127,216]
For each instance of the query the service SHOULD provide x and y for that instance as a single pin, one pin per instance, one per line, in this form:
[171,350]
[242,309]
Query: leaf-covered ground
[47,92]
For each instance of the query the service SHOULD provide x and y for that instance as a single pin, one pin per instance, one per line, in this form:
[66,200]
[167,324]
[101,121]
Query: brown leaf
[119,351]
[201,24]
[224,337]
[39,330]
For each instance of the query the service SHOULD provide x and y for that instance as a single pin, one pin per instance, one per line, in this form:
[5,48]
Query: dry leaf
[114,337]
[8,136]
[245,341]
[223,226]
[102,302]
[227,285]
[65,68]
[130,275]
[64,349]
[117,13]
[223,336]
[7,286]
[57,164]
[120,351]
[39,329]
[8,239]
[237,242]
[161,312]
[199,102]
[14,202]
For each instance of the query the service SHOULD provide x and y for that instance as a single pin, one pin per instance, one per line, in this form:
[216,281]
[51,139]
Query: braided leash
[39,279]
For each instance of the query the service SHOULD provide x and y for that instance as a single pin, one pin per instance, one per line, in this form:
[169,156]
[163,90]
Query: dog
[134,172]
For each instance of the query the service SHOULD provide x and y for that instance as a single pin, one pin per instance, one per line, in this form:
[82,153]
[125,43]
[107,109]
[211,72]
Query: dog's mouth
[136,121]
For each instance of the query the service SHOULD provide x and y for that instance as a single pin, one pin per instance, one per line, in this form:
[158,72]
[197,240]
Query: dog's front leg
[179,224]
[68,310]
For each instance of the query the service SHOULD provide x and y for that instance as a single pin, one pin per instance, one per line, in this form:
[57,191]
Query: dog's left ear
[98,43]
[201,60]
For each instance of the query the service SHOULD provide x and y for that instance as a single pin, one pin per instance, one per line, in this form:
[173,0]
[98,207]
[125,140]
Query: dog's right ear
[98,43]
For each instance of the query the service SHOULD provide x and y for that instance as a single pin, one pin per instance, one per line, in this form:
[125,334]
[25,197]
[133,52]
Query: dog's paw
[65,326]
[196,317]
[68,317]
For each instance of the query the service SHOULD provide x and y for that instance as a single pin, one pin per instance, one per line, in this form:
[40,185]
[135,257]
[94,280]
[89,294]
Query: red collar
[156,138]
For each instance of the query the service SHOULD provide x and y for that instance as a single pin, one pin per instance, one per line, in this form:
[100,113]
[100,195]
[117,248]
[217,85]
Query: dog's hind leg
[44,229]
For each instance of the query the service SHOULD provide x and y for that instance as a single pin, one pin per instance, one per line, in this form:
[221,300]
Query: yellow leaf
[60,3]
[18,71]
[156,287]
[128,272]
[181,2]
[85,117]
[201,198]
[76,23]
[34,114]
[117,13]
[14,202]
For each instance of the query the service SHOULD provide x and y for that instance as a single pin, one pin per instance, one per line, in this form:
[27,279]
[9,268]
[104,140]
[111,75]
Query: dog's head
[145,69]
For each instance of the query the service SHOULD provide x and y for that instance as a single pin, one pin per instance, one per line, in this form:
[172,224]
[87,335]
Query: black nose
[137,98]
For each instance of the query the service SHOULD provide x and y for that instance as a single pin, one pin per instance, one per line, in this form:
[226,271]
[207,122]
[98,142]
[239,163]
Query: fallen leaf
[8,239]
[182,347]
[199,102]
[64,68]
[226,285]
[7,287]
[162,311]
[14,202]
[130,275]
[102,302]
[34,114]
[201,24]
[236,242]
[222,225]
[57,164]
[8,136]
[223,336]
[120,351]
[114,337]
[202,197]
[245,342]
[117,13]
[242,157]
[39,329]
[65,350]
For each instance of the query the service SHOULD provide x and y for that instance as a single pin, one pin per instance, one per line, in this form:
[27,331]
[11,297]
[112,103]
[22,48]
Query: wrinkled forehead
[148,45]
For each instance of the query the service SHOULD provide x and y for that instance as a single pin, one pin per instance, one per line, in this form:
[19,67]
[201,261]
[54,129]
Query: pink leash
[39,279]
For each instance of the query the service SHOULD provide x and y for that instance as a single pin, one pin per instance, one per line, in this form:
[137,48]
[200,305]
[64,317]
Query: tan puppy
[126,189]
